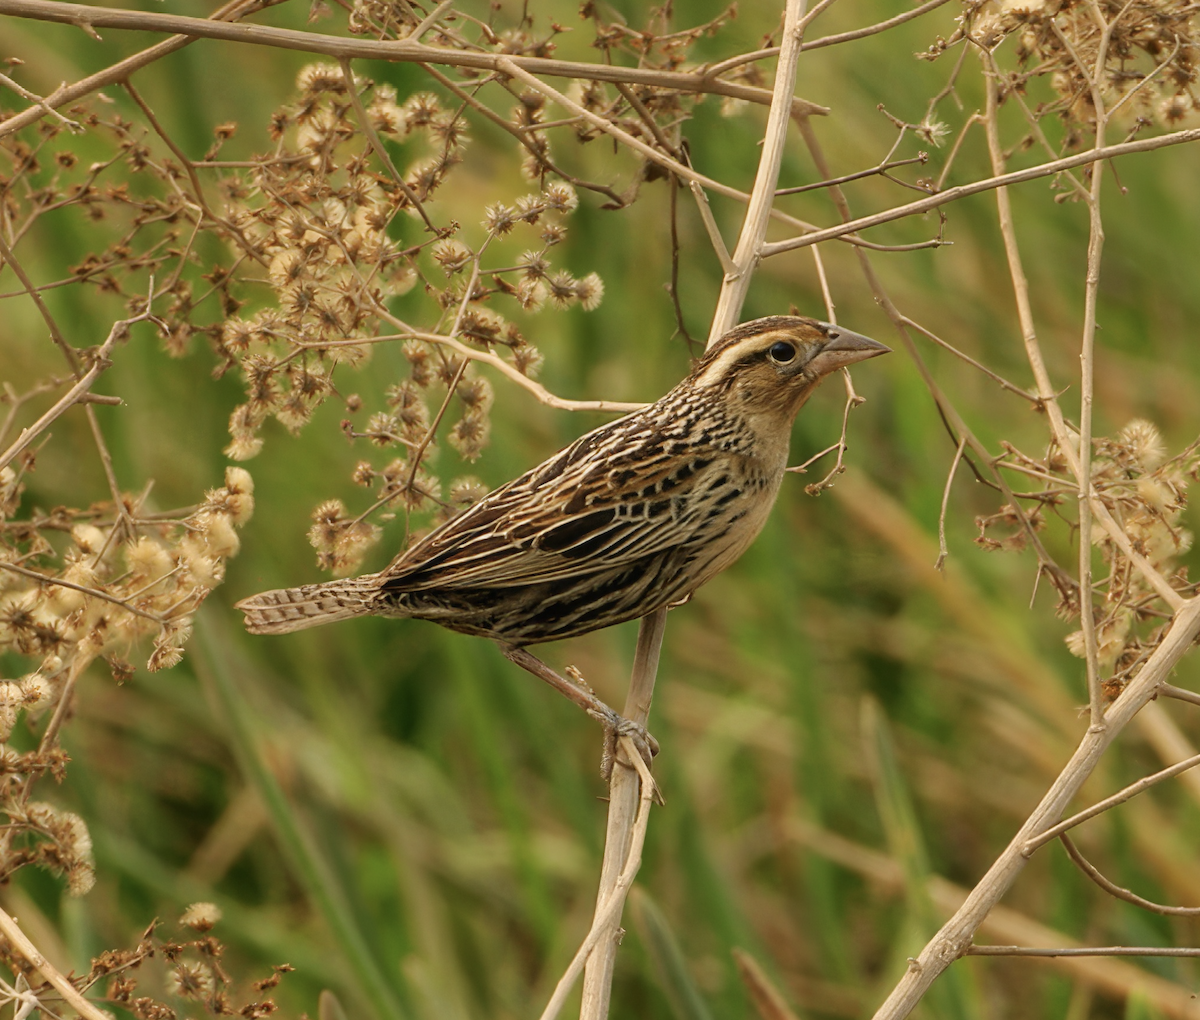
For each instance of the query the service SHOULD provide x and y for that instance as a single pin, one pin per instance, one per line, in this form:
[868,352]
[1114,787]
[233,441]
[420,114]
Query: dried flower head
[190,979]
[453,256]
[201,916]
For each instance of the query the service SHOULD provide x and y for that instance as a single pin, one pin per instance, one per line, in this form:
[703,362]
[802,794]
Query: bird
[635,515]
[632,517]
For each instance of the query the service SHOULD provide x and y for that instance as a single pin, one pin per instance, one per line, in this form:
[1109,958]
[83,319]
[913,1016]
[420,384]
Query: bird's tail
[286,609]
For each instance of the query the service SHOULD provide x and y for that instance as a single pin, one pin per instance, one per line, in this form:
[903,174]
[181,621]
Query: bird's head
[771,366]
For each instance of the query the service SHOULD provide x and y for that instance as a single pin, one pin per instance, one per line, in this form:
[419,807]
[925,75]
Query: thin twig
[922,205]
[1087,387]
[839,466]
[71,125]
[401,50]
[943,550]
[1132,790]
[802,469]
[1081,951]
[823,281]
[647,118]
[1120,892]
[829,40]
[20,942]
[93,592]
[1033,398]
[430,20]
[368,129]
[881,26]
[710,226]
[1179,694]
[846,178]
[498,363]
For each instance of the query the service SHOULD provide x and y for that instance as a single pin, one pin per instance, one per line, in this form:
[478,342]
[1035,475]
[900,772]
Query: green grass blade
[669,966]
[213,669]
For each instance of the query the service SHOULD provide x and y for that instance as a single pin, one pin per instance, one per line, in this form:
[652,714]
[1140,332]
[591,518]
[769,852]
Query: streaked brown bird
[633,516]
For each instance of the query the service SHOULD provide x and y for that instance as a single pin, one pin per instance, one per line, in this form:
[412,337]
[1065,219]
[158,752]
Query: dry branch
[956,935]
[70,994]
[120,71]
[1032,173]
[369,49]
[1003,923]
[598,976]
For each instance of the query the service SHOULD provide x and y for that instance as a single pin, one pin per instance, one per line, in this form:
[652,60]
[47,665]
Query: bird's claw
[579,691]
[617,726]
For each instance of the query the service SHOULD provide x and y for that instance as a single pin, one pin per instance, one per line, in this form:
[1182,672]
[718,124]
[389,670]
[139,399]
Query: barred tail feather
[287,609]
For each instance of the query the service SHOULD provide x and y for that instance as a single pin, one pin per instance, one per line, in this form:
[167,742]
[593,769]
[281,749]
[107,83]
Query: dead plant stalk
[955,936]
[747,254]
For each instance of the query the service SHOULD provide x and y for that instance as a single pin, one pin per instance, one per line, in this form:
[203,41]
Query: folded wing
[579,513]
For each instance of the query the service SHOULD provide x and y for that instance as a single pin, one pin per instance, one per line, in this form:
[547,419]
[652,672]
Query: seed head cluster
[1146,492]
[112,581]
[342,241]
[1146,61]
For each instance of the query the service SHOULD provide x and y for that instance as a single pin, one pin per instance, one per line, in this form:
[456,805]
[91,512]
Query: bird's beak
[844,347]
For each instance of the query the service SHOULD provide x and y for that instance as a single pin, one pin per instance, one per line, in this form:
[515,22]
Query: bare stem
[943,550]
[402,50]
[20,942]
[1087,373]
[710,225]
[749,250]
[1120,892]
[1081,951]
[622,814]
[1132,790]
[954,938]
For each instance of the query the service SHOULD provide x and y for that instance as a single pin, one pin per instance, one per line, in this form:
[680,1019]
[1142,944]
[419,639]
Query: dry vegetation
[383,267]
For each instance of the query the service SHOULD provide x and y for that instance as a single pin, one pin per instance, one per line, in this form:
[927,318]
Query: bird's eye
[781,352]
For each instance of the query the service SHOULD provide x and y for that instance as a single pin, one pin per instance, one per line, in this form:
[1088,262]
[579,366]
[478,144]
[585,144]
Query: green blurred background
[839,723]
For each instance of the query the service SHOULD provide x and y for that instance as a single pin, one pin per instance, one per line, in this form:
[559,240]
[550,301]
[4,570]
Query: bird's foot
[617,726]
[579,691]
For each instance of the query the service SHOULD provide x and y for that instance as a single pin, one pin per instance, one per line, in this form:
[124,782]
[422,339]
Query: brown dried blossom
[1149,65]
[1146,493]
[118,582]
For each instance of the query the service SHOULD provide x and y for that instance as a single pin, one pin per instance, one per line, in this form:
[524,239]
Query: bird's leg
[615,725]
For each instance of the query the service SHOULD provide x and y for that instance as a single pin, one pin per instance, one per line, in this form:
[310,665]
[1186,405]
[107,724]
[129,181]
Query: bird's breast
[727,511]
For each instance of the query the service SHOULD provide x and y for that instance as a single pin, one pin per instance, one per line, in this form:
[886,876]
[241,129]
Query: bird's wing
[582,511]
